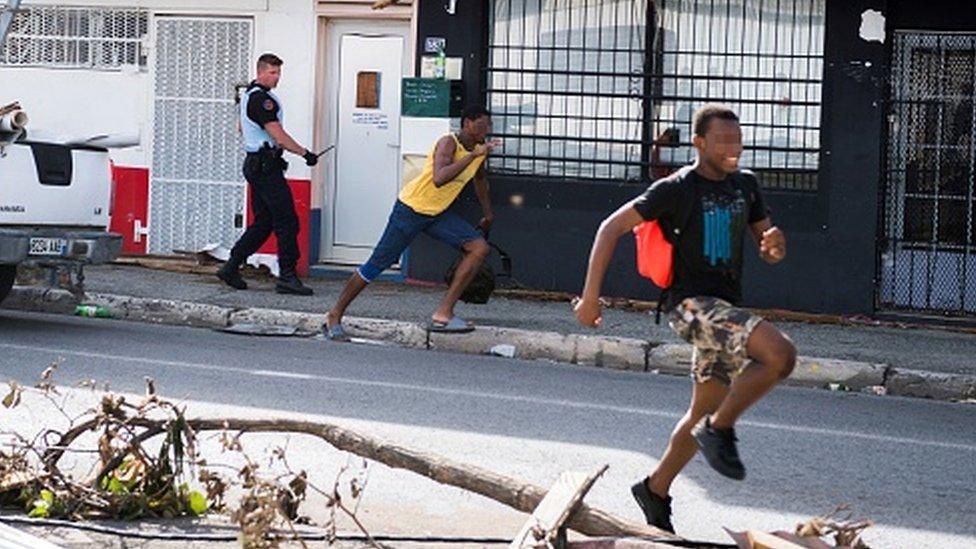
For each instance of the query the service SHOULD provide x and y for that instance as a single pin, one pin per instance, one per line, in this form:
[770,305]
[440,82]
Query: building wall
[831,233]
[69,102]
[288,29]
[940,15]
[72,102]
[854,90]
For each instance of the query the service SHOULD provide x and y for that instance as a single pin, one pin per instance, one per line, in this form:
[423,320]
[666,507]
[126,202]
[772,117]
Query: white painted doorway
[364,62]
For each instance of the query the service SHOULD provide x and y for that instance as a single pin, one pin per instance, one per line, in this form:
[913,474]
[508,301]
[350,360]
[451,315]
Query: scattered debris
[128,480]
[846,533]
[222,253]
[131,481]
[503,349]
[879,390]
[839,524]
[753,539]
[545,526]
[264,330]
[188,263]
[93,311]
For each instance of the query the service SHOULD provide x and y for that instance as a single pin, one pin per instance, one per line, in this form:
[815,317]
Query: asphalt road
[908,464]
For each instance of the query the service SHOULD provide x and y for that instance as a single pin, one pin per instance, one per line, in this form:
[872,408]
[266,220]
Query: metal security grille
[197,192]
[926,252]
[574,96]
[565,86]
[76,37]
[762,58]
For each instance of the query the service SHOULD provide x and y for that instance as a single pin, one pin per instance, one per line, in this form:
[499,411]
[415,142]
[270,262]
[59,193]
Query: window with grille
[565,81]
[76,37]
[931,155]
[927,255]
[762,58]
[574,96]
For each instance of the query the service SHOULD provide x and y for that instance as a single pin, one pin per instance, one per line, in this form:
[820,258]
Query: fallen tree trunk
[515,493]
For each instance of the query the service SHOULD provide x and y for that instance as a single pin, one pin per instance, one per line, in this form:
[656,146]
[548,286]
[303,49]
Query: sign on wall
[426,97]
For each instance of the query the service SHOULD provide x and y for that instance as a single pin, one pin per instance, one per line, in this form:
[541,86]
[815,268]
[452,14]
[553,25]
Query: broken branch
[515,493]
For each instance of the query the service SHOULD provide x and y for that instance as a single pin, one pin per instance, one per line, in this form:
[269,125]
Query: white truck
[55,199]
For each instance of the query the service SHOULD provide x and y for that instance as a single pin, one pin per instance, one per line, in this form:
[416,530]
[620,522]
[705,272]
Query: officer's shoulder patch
[269,105]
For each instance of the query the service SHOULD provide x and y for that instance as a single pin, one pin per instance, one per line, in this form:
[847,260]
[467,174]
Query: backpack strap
[674,233]
[682,214]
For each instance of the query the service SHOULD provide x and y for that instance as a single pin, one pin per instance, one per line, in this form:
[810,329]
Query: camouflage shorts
[719,333]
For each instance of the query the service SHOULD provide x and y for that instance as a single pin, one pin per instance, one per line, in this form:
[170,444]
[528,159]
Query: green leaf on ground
[197,502]
[41,507]
[13,397]
[116,486]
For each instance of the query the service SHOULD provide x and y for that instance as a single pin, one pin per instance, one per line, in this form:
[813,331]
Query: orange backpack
[655,254]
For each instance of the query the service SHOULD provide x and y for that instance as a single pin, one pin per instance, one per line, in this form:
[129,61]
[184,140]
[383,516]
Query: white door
[367,61]
[196,194]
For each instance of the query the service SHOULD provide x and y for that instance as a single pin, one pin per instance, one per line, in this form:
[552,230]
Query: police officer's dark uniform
[271,198]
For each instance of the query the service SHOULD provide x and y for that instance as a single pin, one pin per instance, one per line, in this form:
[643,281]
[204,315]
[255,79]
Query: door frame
[370,23]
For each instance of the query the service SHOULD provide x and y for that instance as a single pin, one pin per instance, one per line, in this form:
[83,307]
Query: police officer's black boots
[231,275]
[288,283]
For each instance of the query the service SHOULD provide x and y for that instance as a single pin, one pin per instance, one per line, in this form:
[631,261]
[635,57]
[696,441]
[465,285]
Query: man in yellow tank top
[422,207]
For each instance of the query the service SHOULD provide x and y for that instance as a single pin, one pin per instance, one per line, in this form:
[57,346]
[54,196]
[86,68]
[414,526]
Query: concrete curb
[593,350]
[918,383]
[673,358]
[44,300]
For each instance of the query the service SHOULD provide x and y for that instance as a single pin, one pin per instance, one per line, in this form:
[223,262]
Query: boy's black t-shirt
[708,253]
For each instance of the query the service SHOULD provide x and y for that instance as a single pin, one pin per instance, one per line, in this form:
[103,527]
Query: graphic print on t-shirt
[722,221]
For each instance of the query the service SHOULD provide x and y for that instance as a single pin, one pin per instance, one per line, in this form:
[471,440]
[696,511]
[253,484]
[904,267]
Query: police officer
[264,169]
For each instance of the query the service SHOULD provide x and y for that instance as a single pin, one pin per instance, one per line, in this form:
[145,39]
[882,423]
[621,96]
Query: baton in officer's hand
[312,159]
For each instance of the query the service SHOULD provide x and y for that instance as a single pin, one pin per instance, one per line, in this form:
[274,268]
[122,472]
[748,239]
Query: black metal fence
[576,95]
[926,250]
[764,59]
[566,81]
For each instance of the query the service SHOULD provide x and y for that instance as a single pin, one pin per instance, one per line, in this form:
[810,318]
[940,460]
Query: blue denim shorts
[404,225]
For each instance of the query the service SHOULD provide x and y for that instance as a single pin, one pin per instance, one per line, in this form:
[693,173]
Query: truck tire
[7,275]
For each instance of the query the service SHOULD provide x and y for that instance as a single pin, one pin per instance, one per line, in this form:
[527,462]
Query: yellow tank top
[426,198]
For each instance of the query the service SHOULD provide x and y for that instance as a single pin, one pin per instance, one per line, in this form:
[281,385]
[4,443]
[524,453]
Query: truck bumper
[13,246]
[57,246]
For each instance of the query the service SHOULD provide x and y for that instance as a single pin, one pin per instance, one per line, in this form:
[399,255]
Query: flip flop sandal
[334,333]
[454,326]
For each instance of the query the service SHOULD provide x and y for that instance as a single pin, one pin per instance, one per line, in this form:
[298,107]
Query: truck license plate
[47,246]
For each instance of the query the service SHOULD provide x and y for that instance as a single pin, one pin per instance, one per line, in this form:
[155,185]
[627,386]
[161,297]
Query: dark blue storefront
[828,152]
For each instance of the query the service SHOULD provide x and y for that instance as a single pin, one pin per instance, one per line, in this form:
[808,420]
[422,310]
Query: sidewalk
[924,362]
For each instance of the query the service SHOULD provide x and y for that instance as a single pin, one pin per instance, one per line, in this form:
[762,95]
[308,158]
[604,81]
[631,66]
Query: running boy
[738,357]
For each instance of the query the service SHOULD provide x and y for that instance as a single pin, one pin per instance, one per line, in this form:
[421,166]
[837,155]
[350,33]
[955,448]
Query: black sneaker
[718,447]
[292,285]
[657,510]
[231,276]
